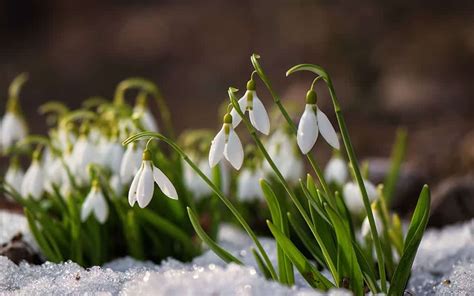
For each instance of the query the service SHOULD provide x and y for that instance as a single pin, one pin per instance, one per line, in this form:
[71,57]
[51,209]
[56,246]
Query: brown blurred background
[393,63]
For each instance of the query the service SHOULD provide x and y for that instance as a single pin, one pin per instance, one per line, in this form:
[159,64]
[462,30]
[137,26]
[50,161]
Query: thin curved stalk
[353,160]
[214,188]
[319,173]
[283,182]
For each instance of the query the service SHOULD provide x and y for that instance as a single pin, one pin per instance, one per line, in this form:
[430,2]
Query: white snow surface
[444,266]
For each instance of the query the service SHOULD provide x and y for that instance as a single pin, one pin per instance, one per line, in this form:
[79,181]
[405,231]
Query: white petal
[149,122]
[236,119]
[132,193]
[101,208]
[234,151]
[164,183]
[125,167]
[217,148]
[88,205]
[14,178]
[353,198]
[307,130]
[145,185]
[327,130]
[259,116]
[365,228]
[336,171]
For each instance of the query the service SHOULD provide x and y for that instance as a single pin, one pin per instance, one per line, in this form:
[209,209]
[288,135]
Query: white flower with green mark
[33,182]
[257,113]
[226,144]
[13,129]
[311,123]
[336,170]
[248,185]
[96,204]
[14,175]
[143,113]
[143,184]
[130,163]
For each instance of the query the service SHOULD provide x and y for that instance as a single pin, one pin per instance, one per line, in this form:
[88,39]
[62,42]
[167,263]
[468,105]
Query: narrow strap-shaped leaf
[415,234]
[367,269]
[396,159]
[308,271]
[261,265]
[314,201]
[39,237]
[223,254]
[306,240]
[284,264]
[344,241]
[134,237]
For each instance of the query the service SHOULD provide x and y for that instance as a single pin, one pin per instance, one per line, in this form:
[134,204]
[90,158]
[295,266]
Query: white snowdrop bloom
[13,129]
[194,182]
[143,184]
[95,136]
[365,228]
[226,144]
[145,116]
[126,127]
[82,155]
[116,184]
[353,196]
[95,203]
[33,182]
[130,164]
[311,123]
[63,137]
[14,176]
[257,113]
[248,185]
[54,174]
[282,149]
[336,171]
[112,154]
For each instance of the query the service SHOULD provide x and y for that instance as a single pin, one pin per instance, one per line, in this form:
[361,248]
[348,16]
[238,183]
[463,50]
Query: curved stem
[214,188]
[277,100]
[353,160]
[283,182]
[153,90]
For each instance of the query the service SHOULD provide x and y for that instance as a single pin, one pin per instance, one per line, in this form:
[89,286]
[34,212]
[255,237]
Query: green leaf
[285,267]
[398,153]
[39,237]
[261,265]
[412,241]
[223,254]
[344,240]
[314,278]
[134,237]
[306,240]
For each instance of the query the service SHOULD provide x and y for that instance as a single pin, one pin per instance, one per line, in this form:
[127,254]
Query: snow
[444,266]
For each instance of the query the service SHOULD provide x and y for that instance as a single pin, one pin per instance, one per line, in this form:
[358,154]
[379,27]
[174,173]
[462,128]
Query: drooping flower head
[353,196]
[336,170]
[95,203]
[14,175]
[311,123]
[130,164]
[143,184]
[142,112]
[226,144]
[33,182]
[257,113]
[248,185]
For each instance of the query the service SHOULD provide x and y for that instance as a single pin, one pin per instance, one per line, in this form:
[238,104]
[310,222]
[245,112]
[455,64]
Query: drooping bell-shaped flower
[95,203]
[112,154]
[284,153]
[226,144]
[195,184]
[311,123]
[248,185]
[82,155]
[14,175]
[116,184]
[336,170]
[143,184]
[365,228]
[33,182]
[143,113]
[131,162]
[353,196]
[13,129]
[257,113]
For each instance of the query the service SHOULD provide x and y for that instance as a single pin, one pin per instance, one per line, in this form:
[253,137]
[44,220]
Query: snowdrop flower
[82,155]
[112,154]
[142,112]
[116,184]
[130,164]
[311,123]
[365,228]
[95,203]
[248,185]
[226,144]
[194,182]
[257,113]
[143,186]
[54,173]
[353,196]
[33,182]
[336,170]
[13,129]
[282,149]
[14,176]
